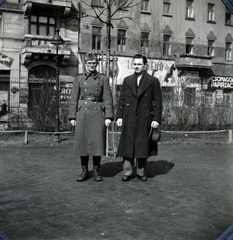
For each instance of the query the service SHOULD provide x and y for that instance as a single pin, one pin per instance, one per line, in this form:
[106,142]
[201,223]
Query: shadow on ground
[154,168]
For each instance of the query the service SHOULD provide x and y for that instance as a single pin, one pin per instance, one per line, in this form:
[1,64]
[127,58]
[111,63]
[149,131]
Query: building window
[211,13]
[41,25]
[97,3]
[189,45]
[145,5]
[228,20]
[96,38]
[210,48]
[121,40]
[166,45]
[190,96]
[166,8]
[189,8]
[145,43]
[228,51]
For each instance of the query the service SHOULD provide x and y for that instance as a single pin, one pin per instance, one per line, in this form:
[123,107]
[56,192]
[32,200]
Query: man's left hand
[107,122]
[154,124]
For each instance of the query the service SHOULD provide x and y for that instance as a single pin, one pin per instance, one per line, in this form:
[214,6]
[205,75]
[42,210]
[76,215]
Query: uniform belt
[94,99]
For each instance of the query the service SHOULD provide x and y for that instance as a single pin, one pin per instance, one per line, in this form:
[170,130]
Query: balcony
[37,47]
[193,61]
[64,6]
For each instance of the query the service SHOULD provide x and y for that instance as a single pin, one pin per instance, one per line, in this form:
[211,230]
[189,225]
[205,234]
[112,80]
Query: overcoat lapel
[146,82]
[132,84]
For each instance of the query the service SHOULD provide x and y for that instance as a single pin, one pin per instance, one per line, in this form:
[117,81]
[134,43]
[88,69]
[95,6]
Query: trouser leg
[141,166]
[128,164]
[96,164]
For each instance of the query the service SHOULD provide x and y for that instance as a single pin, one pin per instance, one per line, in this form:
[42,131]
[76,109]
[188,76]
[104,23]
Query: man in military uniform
[91,111]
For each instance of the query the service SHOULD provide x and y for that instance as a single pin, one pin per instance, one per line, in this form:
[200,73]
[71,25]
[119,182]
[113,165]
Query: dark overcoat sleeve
[74,99]
[157,101]
[121,101]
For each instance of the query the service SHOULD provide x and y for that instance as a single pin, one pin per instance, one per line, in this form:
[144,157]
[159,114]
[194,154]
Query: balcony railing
[40,47]
[195,61]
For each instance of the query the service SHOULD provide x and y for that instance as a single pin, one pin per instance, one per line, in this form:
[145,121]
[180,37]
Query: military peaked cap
[90,56]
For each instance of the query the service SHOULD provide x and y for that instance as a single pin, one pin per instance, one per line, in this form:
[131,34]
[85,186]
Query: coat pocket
[102,107]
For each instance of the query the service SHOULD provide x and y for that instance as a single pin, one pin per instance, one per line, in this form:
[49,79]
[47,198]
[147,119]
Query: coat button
[145,105]
[145,95]
[127,105]
[85,102]
[95,108]
[97,89]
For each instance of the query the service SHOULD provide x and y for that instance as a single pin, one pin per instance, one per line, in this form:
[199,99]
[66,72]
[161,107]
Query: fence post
[26,137]
[230,136]
[107,142]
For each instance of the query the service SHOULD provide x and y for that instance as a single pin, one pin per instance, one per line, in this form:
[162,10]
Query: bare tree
[107,13]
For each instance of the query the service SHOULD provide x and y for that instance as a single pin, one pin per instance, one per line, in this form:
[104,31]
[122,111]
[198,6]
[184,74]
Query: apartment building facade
[28,54]
[188,44]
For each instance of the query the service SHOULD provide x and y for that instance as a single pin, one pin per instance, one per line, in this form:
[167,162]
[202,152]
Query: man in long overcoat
[90,112]
[139,109]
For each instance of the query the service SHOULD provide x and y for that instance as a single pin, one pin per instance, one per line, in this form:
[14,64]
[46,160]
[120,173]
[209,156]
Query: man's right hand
[119,122]
[73,122]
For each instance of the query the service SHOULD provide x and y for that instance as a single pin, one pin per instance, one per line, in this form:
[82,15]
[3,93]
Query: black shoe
[125,178]
[142,178]
[96,174]
[84,175]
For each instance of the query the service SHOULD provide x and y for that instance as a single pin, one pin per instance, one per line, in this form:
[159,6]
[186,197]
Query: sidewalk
[188,195]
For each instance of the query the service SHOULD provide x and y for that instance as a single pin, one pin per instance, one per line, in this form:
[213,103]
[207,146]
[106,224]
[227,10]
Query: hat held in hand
[155,134]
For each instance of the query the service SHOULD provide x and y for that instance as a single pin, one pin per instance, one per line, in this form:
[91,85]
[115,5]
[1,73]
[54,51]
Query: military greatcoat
[90,105]
[138,106]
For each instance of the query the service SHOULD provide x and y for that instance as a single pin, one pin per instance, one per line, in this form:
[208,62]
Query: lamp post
[57,40]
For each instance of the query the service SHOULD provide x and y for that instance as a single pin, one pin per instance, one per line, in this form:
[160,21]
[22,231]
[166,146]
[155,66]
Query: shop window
[121,40]
[228,18]
[144,42]
[210,48]
[42,25]
[166,45]
[5,86]
[167,8]
[96,38]
[168,94]
[190,96]
[97,3]
[145,5]
[189,45]
[228,51]
[211,12]
[208,100]
[227,100]
[189,8]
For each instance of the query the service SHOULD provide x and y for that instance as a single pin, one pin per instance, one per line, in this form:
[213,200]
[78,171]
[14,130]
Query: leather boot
[84,175]
[96,174]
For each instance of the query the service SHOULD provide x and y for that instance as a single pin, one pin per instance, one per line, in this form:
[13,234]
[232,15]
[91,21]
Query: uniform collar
[91,74]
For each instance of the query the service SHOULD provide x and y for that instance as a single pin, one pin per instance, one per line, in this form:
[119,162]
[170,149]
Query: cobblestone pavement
[188,195]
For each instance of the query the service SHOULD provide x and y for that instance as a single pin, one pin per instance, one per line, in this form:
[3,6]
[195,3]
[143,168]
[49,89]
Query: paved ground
[188,195]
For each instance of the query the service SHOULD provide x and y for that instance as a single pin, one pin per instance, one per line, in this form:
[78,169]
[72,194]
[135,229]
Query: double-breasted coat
[138,106]
[90,105]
